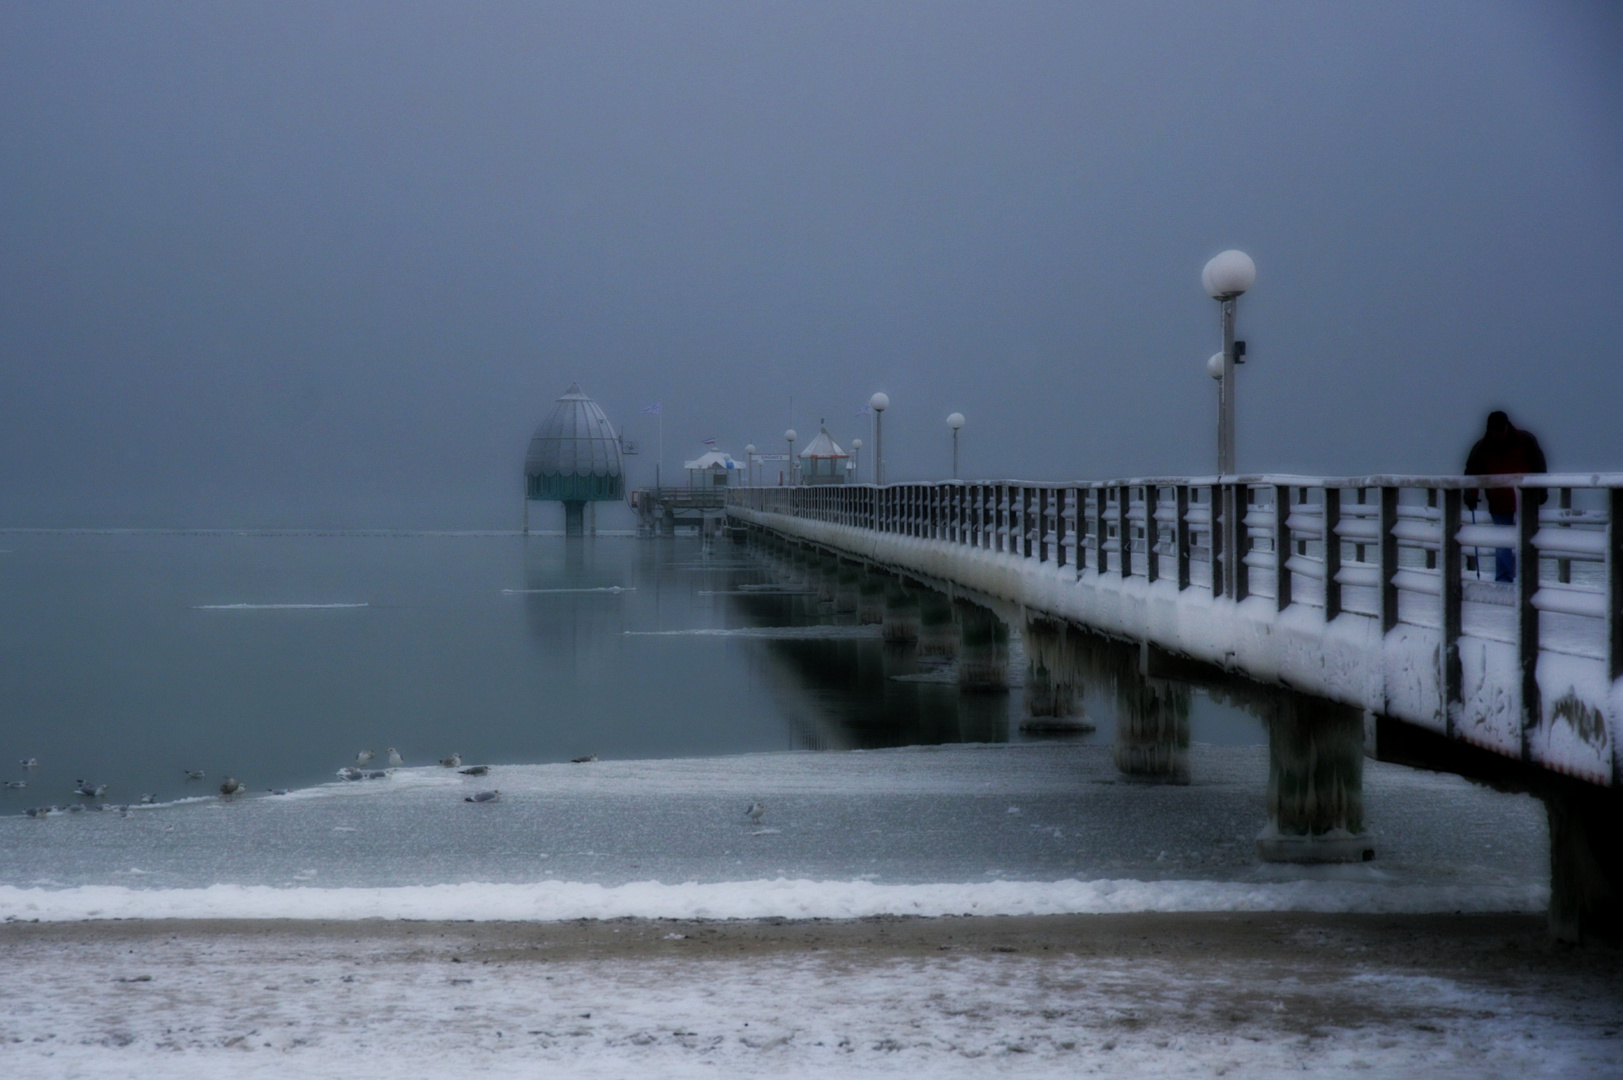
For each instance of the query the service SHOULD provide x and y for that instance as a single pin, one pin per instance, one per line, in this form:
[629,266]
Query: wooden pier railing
[1529,667]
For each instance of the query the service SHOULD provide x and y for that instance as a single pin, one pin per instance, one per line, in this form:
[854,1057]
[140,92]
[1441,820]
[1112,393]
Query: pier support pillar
[1586,863]
[901,621]
[938,633]
[846,588]
[1315,783]
[1152,721]
[574,519]
[871,599]
[1050,678]
[983,653]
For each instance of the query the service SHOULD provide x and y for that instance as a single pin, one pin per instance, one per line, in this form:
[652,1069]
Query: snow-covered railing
[1402,553]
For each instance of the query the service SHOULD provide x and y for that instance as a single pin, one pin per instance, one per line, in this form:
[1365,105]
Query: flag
[710,442]
[652,410]
[864,411]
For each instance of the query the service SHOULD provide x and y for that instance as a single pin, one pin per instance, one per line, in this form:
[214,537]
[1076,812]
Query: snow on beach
[979,997]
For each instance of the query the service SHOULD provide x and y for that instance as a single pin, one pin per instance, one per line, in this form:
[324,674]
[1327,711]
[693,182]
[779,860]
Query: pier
[1357,605]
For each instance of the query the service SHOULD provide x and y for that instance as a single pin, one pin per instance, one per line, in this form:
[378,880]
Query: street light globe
[750,449]
[790,435]
[955,420]
[1214,366]
[856,444]
[879,402]
[1228,274]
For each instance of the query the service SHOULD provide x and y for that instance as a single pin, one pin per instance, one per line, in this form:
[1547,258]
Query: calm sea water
[128,658]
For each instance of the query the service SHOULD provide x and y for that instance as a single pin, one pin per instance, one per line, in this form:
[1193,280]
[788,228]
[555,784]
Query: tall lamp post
[790,436]
[856,458]
[879,403]
[1226,276]
[956,422]
[749,457]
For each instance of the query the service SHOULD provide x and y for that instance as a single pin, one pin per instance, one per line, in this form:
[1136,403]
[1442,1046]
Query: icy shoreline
[555,901]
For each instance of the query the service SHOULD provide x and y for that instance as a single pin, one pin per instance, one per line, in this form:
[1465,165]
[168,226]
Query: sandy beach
[1152,994]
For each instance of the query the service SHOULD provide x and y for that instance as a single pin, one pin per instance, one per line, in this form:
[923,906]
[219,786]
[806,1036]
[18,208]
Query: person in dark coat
[1503,450]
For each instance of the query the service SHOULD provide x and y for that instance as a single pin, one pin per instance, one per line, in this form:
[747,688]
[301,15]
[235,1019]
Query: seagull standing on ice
[484,796]
[88,791]
[754,812]
[394,758]
[363,757]
[452,762]
[231,786]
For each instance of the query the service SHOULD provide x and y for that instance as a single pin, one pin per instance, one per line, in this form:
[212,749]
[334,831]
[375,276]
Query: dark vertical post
[1388,552]
[1526,613]
[1282,547]
[1099,529]
[1060,536]
[1240,574]
[1563,567]
[1152,532]
[1124,530]
[1219,526]
[1452,593]
[1180,533]
[1332,552]
[1042,524]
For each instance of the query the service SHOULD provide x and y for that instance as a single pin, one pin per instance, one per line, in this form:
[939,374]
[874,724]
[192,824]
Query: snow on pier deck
[1375,592]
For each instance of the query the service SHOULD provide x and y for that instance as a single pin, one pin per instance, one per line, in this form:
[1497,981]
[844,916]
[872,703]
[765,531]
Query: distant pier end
[574,458]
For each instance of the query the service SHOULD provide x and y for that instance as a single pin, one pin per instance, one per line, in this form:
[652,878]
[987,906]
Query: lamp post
[790,436]
[749,456]
[879,403]
[955,421]
[856,458]
[1226,276]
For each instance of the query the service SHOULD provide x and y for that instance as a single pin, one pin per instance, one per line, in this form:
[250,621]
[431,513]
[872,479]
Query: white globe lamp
[1228,274]
[1214,366]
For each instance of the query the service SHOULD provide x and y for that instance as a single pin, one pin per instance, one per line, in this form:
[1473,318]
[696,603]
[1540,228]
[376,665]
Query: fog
[328,265]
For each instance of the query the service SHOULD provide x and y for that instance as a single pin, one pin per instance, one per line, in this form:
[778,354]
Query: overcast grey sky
[328,264]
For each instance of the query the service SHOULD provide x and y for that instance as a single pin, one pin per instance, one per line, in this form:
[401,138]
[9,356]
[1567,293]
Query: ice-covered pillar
[1586,862]
[983,652]
[901,621]
[871,599]
[1315,782]
[1050,671]
[847,588]
[938,633]
[1152,721]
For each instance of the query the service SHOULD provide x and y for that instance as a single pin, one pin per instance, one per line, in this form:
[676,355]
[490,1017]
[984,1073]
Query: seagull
[88,791]
[394,757]
[484,796]
[231,786]
[193,774]
[452,762]
[584,760]
[148,800]
[37,811]
[277,790]
[350,772]
[29,762]
[754,812]
[16,785]
[378,774]
[363,757]
[475,770]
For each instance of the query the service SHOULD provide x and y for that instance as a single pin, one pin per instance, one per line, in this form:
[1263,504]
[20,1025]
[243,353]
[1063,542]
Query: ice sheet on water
[275,607]
[929,816]
[771,633]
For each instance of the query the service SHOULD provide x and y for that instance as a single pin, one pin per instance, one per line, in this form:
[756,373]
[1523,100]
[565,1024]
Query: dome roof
[576,440]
